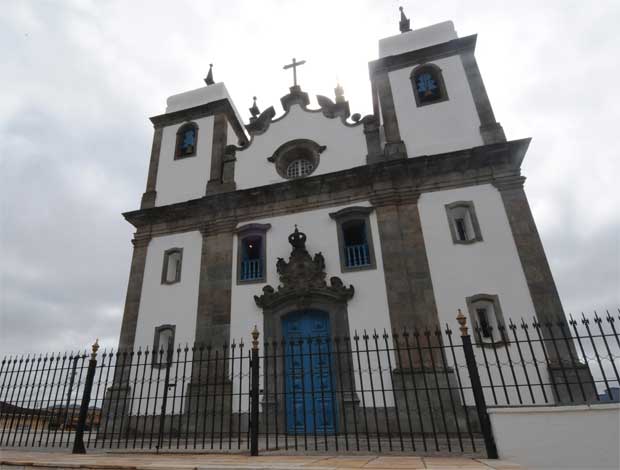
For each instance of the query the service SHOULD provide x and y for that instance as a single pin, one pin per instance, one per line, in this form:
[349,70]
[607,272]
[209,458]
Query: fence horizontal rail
[424,390]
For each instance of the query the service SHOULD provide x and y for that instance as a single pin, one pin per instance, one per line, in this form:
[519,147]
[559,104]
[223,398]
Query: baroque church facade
[322,219]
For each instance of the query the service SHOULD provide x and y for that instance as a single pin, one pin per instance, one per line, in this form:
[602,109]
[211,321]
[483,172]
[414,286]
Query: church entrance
[309,381]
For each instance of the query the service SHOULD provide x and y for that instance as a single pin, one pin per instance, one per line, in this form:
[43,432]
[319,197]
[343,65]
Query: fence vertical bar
[254,395]
[78,442]
[476,385]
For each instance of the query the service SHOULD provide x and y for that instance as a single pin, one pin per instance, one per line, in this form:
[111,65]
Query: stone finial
[209,78]
[94,348]
[462,322]
[254,110]
[297,239]
[255,335]
[404,22]
[339,91]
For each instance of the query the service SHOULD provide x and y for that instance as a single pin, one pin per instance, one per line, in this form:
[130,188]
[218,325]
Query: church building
[319,221]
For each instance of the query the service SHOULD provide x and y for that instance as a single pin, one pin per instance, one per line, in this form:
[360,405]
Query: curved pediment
[302,280]
[345,143]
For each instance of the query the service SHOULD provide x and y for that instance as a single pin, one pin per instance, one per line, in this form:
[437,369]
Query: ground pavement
[29,460]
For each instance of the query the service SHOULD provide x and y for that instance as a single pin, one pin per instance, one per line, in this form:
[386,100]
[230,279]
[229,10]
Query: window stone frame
[155,357]
[475,225]
[296,149]
[242,233]
[438,74]
[164,271]
[349,214]
[177,146]
[499,319]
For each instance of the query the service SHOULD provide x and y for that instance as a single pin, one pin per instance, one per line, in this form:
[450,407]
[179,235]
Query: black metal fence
[422,391]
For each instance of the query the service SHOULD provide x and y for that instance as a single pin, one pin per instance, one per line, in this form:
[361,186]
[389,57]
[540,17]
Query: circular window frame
[298,149]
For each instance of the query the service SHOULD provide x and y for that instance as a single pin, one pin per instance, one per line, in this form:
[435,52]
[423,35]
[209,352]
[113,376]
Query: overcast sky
[80,79]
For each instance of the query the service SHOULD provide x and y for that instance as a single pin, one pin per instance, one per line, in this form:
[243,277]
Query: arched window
[428,85]
[187,140]
[297,158]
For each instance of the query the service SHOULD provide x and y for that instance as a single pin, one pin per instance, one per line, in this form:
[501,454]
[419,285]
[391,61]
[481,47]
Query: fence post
[78,443]
[254,394]
[476,385]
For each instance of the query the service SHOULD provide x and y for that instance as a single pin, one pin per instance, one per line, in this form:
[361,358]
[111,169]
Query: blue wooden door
[310,404]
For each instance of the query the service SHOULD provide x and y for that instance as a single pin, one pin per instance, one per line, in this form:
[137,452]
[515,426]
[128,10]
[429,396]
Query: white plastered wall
[440,127]
[367,310]
[563,437]
[345,147]
[491,266]
[174,304]
[186,178]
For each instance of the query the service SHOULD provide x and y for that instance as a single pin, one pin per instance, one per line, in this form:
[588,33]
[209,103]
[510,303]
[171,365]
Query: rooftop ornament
[404,22]
[209,78]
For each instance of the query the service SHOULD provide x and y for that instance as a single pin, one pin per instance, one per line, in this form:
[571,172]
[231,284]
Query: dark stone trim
[222,106]
[164,270]
[373,139]
[419,56]
[218,150]
[156,346]
[348,214]
[150,195]
[538,276]
[331,109]
[394,145]
[438,74]
[243,232]
[384,183]
[499,317]
[490,130]
[132,299]
[177,145]
[469,207]
[214,288]
[293,150]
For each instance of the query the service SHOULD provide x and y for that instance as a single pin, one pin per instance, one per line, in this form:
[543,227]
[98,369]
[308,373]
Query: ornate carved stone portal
[302,280]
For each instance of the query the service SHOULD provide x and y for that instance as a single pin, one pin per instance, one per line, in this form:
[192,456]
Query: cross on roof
[294,66]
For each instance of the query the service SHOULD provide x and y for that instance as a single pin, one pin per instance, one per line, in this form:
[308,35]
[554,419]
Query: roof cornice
[426,54]
[387,182]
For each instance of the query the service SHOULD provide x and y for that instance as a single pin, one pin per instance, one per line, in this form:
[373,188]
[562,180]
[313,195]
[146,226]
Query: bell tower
[428,93]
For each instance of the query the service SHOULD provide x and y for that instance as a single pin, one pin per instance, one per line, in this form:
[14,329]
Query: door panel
[310,405]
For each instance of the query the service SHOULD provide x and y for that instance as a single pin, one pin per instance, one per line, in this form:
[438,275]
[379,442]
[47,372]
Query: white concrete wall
[440,127]
[491,266]
[368,309]
[564,437]
[346,147]
[174,304]
[186,178]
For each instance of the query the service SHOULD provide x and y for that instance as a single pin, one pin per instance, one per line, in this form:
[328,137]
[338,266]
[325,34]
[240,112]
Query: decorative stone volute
[302,279]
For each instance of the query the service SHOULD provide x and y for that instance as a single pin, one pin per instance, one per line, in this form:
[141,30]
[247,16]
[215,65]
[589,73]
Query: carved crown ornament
[302,279]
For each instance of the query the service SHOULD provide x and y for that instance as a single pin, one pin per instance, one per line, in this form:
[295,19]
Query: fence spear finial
[462,322]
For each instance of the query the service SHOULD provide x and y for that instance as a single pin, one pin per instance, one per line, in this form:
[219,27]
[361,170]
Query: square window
[488,320]
[251,253]
[171,270]
[163,345]
[463,223]
[354,238]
